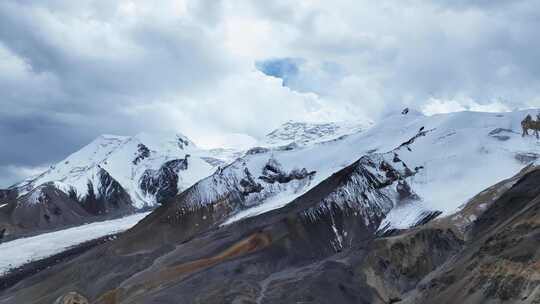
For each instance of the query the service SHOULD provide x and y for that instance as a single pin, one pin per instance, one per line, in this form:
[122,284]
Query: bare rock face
[109,199]
[395,265]
[71,298]
[272,173]
[142,153]
[163,183]
[249,185]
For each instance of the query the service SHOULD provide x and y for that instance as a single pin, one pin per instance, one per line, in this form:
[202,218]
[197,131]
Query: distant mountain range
[119,175]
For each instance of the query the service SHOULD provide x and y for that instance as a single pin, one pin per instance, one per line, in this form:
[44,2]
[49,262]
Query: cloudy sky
[71,70]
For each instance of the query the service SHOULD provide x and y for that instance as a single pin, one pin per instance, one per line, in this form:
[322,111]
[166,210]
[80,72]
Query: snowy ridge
[76,165]
[378,184]
[269,178]
[368,192]
[453,157]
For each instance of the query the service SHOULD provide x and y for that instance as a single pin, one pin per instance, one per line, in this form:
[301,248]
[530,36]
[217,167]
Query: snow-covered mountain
[110,177]
[118,175]
[303,133]
[143,165]
[442,161]
[432,155]
[153,167]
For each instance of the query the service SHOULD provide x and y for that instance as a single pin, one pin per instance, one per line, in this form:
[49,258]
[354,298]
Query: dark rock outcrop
[107,197]
[142,153]
[163,183]
[272,172]
[249,185]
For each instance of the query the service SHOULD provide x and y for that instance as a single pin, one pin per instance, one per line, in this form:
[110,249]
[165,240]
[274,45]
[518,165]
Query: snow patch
[276,202]
[404,216]
[21,251]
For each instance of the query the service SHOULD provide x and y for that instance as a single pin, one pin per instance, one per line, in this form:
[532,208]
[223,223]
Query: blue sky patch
[284,68]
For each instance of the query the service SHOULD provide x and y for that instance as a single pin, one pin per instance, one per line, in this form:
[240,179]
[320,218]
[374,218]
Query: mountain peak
[310,132]
[126,158]
[165,140]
